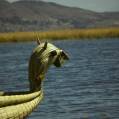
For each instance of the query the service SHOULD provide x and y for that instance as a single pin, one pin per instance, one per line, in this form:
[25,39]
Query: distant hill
[29,15]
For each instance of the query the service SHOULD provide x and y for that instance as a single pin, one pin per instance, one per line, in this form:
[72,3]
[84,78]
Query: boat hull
[19,109]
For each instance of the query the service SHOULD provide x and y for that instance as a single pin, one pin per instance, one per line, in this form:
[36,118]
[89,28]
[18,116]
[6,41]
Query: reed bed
[60,34]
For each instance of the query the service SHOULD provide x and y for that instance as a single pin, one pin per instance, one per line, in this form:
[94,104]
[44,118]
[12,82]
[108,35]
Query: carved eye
[53,53]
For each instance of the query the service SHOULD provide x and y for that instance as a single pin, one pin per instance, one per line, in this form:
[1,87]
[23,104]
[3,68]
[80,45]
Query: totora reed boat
[18,105]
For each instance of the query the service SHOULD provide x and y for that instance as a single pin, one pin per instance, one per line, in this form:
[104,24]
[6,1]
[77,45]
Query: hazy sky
[95,5]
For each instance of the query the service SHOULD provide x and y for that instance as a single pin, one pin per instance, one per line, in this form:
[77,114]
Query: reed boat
[19,105]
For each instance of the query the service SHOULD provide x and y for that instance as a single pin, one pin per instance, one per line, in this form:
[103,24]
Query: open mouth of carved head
[60,58]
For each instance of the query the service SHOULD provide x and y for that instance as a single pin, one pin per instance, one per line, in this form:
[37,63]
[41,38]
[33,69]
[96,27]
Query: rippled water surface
[86,87]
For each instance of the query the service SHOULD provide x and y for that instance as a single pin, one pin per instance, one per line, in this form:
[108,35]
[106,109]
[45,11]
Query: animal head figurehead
[44,55]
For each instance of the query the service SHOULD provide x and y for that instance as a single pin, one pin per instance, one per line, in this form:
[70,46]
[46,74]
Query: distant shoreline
[60,34]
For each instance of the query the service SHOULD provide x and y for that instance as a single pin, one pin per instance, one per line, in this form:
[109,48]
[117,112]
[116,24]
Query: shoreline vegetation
[91,33]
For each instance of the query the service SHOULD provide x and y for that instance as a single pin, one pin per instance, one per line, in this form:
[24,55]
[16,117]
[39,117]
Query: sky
[95,5]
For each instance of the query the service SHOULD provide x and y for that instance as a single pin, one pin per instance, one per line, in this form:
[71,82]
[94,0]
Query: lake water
[86,87]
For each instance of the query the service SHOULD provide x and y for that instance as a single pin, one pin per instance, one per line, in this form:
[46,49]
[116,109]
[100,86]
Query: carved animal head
[44,55]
